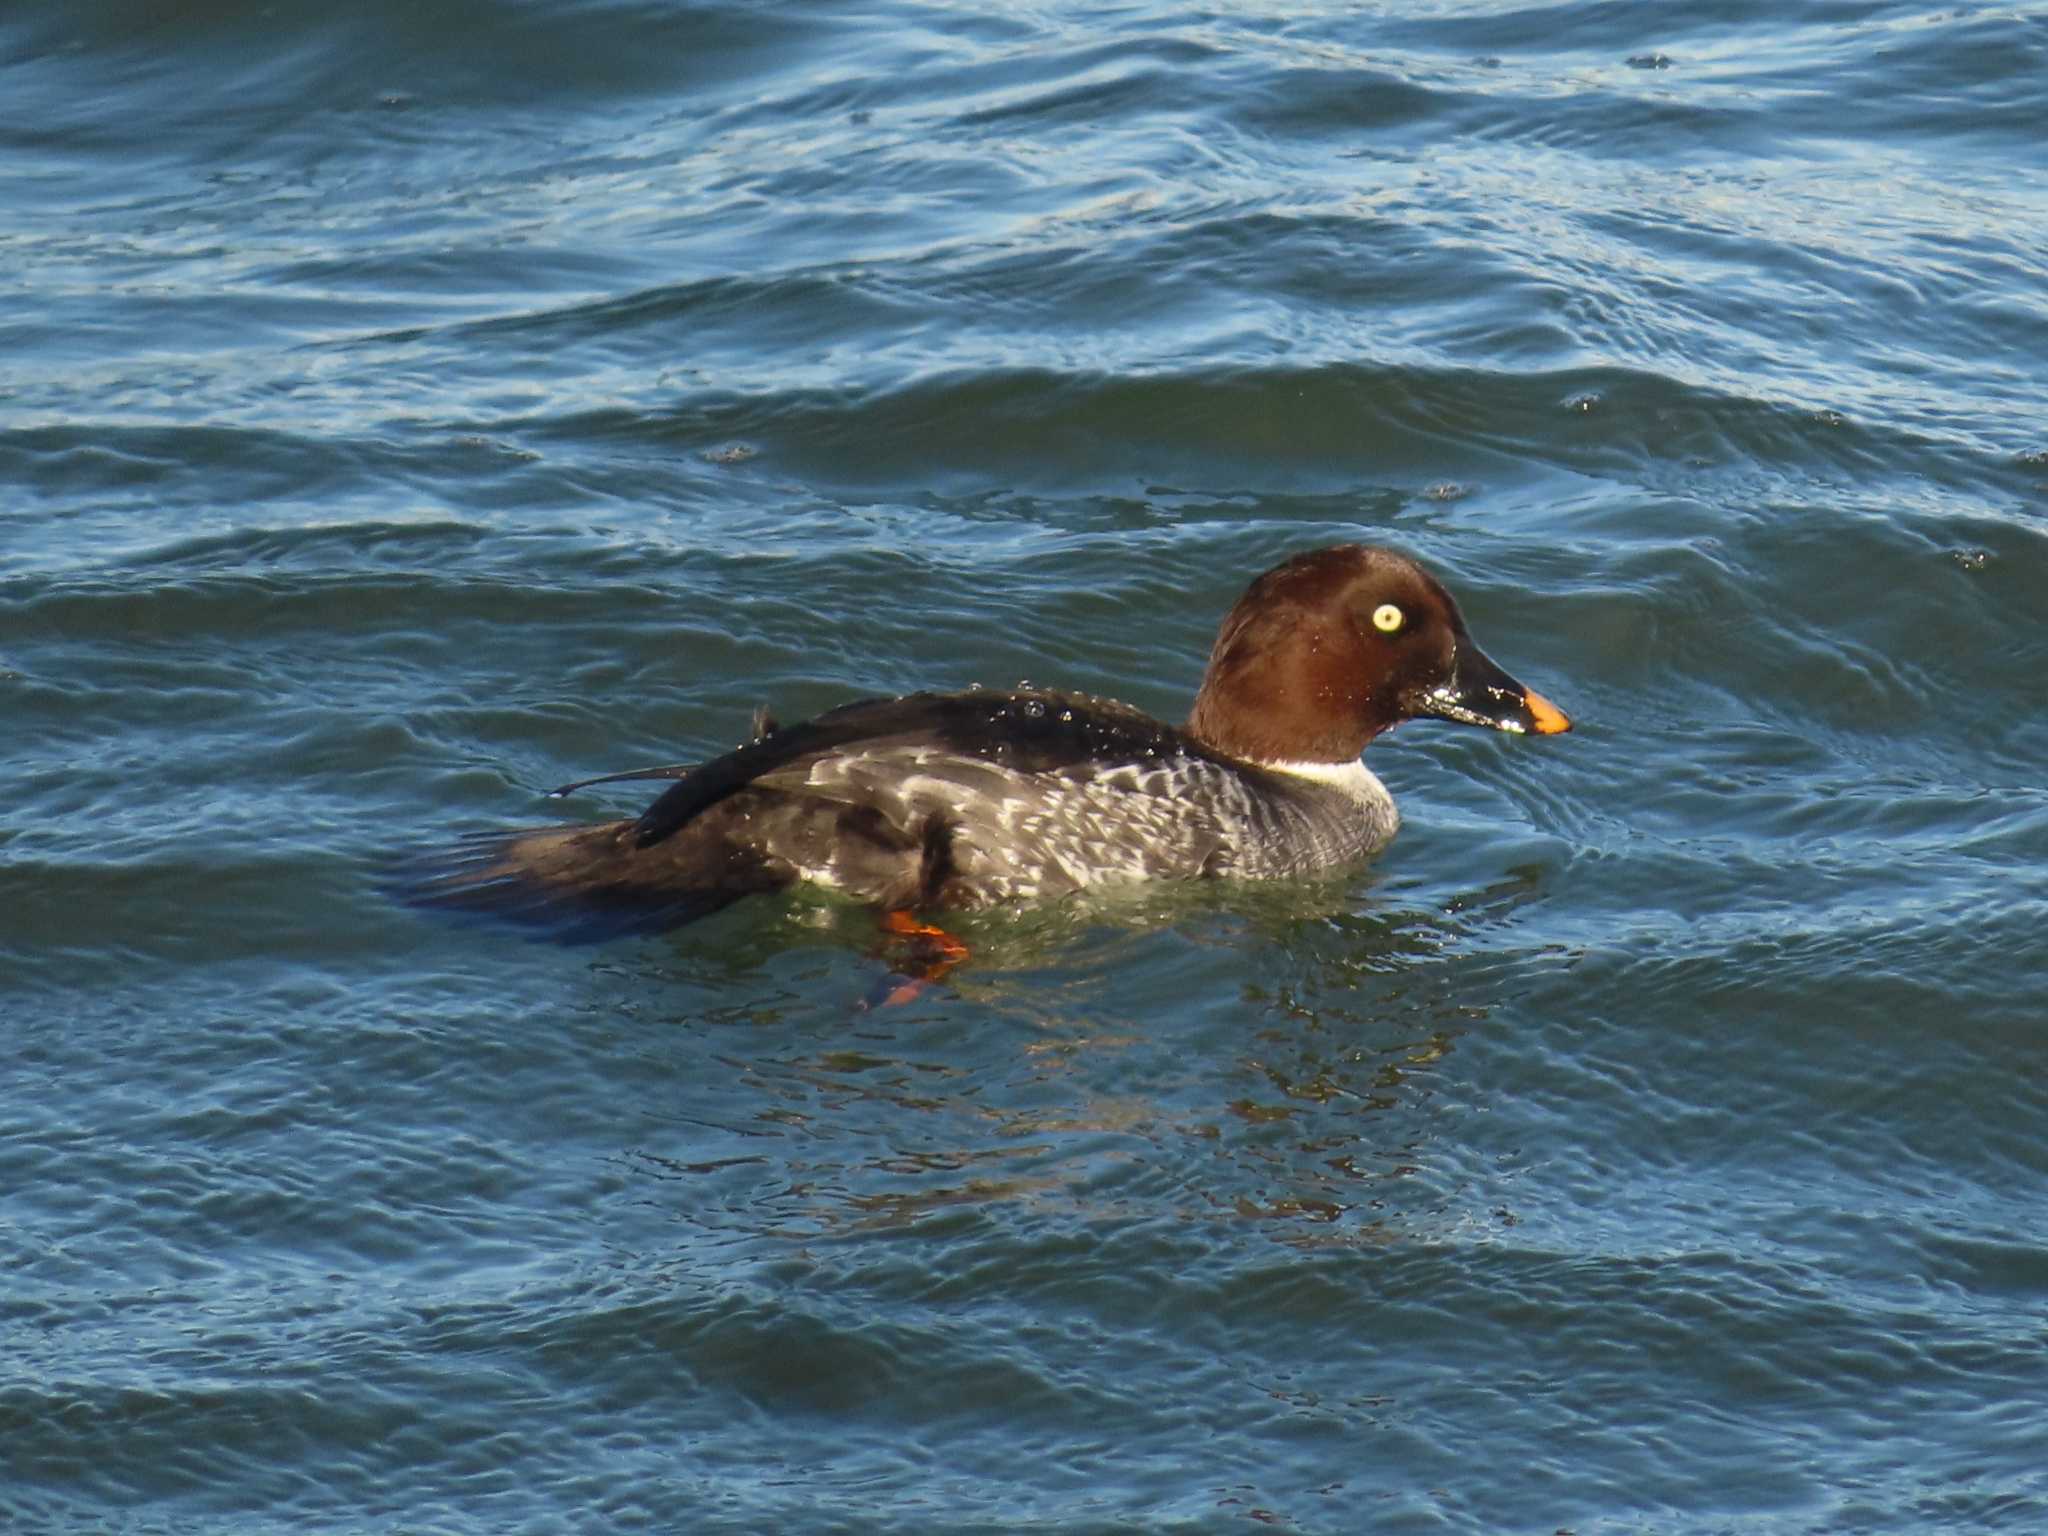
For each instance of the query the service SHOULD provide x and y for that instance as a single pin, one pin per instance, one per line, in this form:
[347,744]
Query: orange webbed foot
[932,953]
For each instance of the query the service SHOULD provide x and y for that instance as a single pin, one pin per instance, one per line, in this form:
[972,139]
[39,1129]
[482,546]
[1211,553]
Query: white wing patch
[1024,835]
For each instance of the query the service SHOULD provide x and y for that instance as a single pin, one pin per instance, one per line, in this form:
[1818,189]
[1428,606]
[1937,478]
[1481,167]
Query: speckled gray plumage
[936,800]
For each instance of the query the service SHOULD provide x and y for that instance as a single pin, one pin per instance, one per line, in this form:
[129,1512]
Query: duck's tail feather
[765,724]
[581,884]
[668,771]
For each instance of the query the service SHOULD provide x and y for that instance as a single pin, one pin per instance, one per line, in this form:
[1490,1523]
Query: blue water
[402,413]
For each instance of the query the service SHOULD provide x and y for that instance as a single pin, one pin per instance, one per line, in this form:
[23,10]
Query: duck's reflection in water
[1272,1060]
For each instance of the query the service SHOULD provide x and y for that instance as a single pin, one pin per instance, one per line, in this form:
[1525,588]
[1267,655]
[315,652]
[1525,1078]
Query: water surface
[403,414]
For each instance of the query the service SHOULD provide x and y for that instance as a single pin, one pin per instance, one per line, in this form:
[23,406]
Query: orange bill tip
[1550,720]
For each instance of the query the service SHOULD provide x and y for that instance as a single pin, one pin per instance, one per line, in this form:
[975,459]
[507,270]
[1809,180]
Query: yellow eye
[1387,618]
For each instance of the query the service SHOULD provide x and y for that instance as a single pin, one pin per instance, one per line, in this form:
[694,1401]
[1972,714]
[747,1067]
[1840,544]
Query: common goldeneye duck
[948,800]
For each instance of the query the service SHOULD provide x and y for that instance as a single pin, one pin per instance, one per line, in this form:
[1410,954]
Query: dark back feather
[1030,731]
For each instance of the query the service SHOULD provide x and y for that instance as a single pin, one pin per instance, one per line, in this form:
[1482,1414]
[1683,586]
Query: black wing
[1028,730]
[764,725]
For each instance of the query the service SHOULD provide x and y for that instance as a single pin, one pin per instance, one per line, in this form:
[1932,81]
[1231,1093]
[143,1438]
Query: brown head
[1323,653]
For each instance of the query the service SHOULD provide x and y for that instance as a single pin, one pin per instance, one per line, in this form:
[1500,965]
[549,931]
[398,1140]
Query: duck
[940,801]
